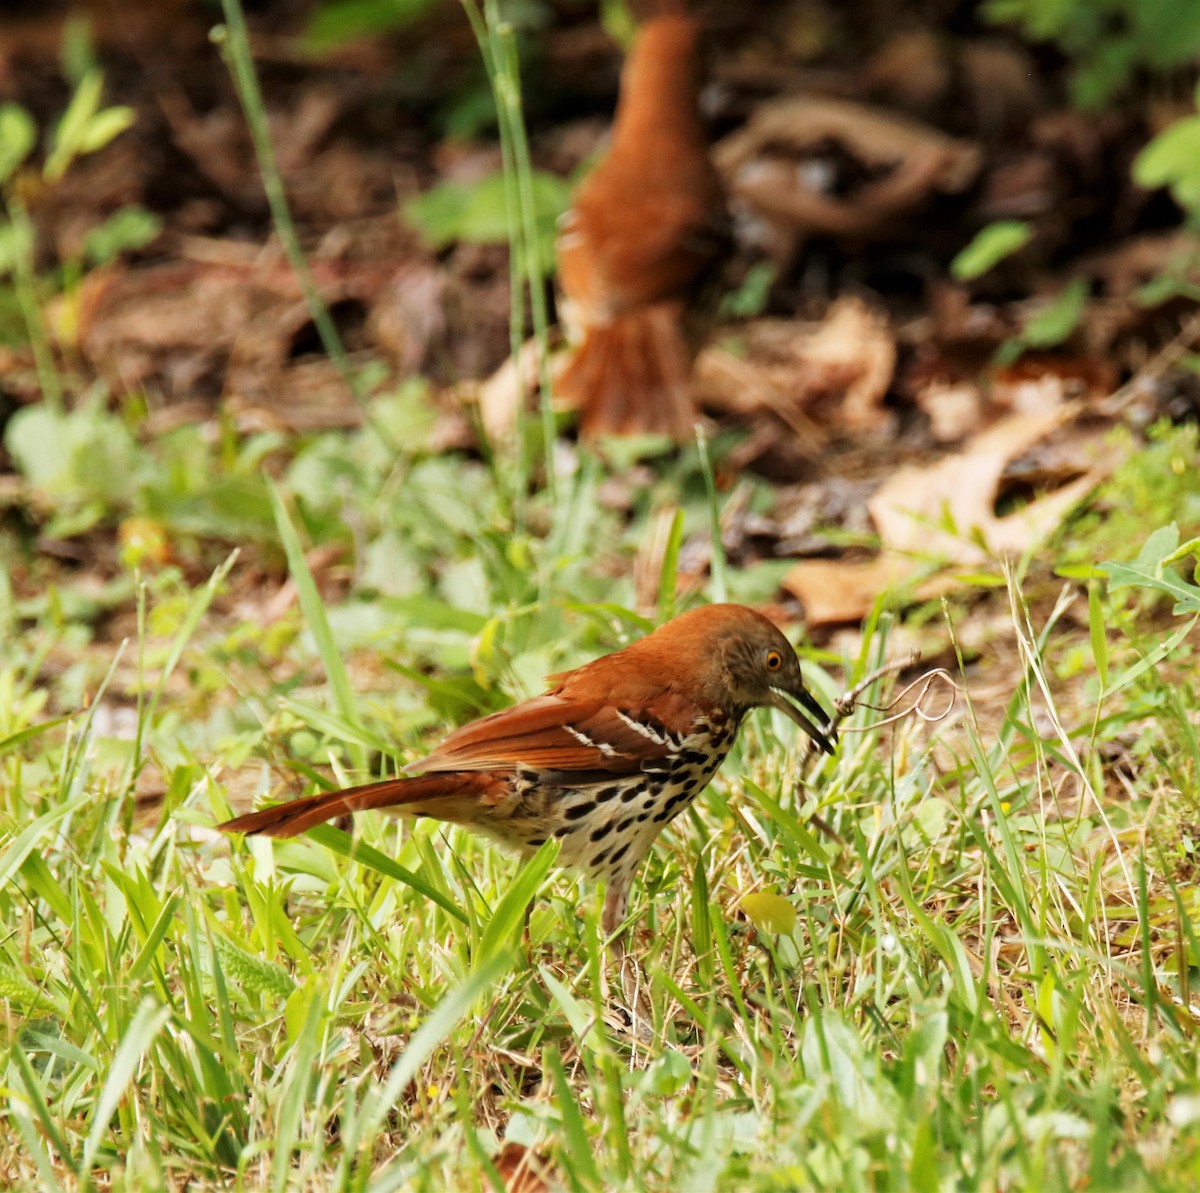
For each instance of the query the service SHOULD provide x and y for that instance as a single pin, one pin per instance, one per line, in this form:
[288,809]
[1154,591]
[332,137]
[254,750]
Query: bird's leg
[616,898]
[525,934]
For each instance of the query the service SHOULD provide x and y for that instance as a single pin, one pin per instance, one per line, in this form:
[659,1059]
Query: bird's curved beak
[779,700]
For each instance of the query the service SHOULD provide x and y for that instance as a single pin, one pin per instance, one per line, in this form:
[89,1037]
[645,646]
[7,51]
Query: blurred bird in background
[647,225]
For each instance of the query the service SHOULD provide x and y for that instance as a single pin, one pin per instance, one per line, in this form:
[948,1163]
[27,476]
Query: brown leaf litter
[944,517]
[836,373]
[784,163]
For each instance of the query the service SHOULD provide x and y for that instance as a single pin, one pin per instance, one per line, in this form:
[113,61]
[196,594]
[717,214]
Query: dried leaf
[840,371]
[500,396]
[947,511]
[853,351]
[522,1170]
[761,164]
[944,513]
[954,409]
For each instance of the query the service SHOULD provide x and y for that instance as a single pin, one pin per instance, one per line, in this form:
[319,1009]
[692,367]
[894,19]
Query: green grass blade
[33,834]
[668,576]
[30,732]
[581,1169]
[359,851]
[430,1035]
[149,1020]
[509,913]
[313,608]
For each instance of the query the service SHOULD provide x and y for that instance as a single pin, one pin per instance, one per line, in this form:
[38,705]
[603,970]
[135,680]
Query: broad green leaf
[990,246]
[129,228]
[1186,596]
[16,245]
[667,1075]
[930,817]
[1050,326]
[104,127]
[1149,570]
[70,130]
[1172,159]
[769,912]
[83,454]
[340,21]
[18,135]
[1155,550]
[477,213]
[832,1046]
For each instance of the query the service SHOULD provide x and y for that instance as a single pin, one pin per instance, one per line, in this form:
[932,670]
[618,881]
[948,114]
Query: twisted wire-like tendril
[846,703]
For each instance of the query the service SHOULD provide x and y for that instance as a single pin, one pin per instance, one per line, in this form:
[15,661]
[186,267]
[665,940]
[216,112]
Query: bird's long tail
[409,795]
[632,375]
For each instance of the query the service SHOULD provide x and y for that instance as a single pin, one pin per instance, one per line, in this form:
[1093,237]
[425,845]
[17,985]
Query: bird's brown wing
[557,732]
[568,736]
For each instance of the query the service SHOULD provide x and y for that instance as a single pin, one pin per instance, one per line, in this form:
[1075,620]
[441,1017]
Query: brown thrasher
[610,754]
[645,225]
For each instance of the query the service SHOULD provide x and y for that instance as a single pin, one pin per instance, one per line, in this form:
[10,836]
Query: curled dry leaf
[779,165]
[852,352]
[523,1170]
[911,70]
[516,380]
[839,590]
[1038,383]
[756,382]
[838,372]
[946,514]
[947,511]
[958,407]
[954,408]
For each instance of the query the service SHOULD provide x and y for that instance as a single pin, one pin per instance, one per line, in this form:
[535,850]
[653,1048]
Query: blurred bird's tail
[631,375]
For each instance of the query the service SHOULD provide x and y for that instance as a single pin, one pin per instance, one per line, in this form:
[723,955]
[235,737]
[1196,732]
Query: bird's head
[745,656]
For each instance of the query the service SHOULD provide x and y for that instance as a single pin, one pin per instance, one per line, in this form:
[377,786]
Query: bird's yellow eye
[774,660]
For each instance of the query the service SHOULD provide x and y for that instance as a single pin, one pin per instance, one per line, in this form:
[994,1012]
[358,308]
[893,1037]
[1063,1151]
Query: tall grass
[958,955]
[976,971]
